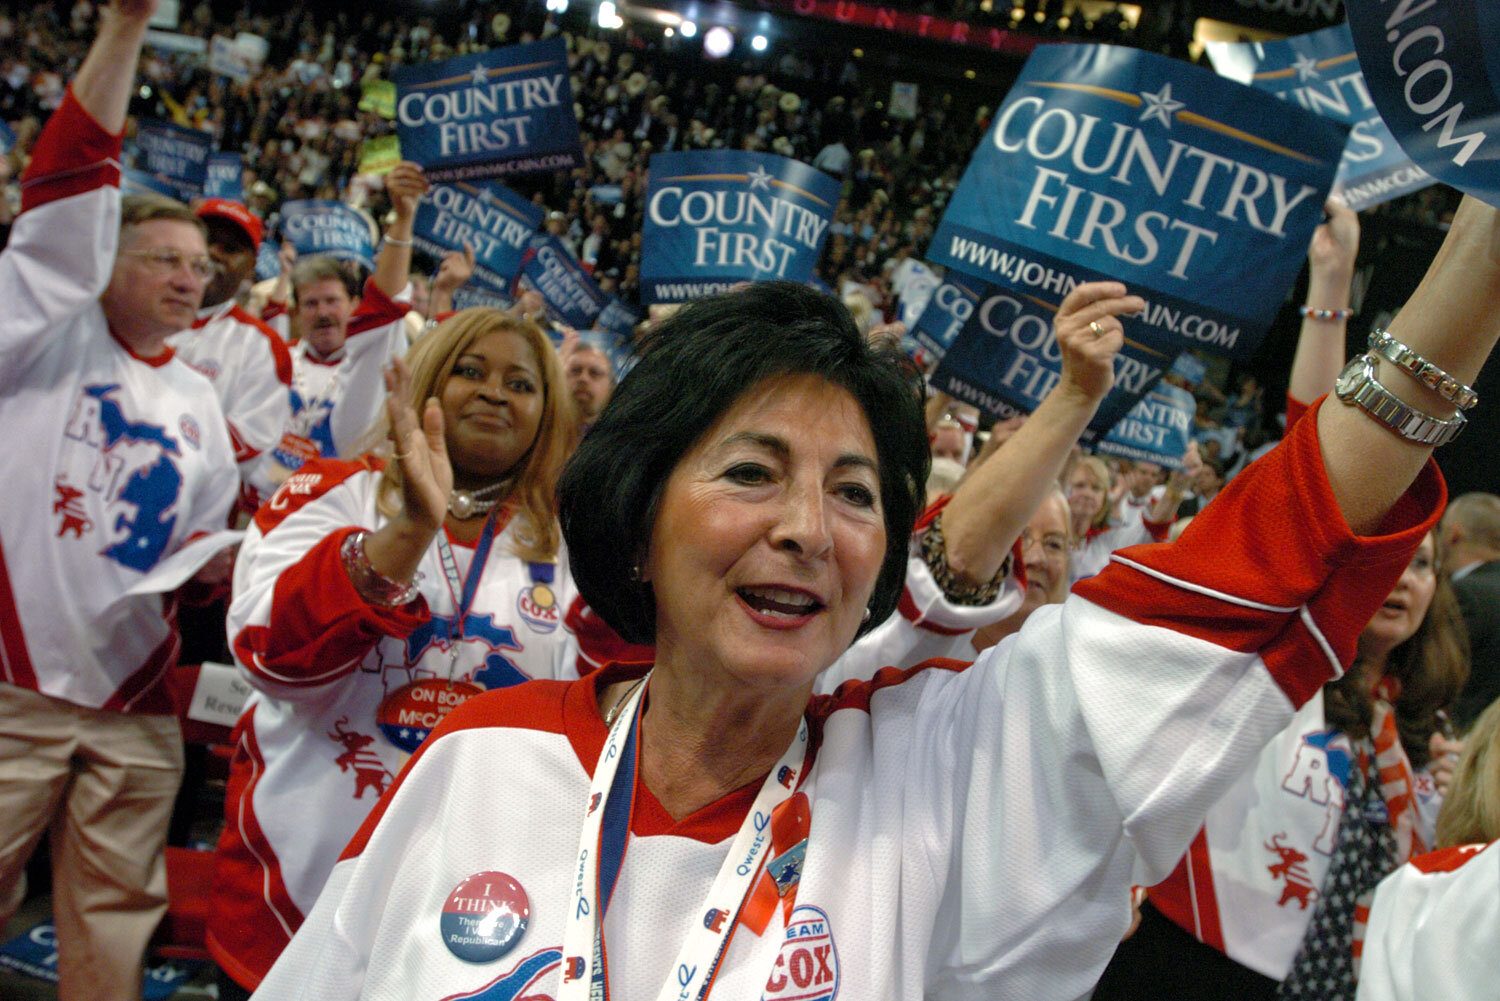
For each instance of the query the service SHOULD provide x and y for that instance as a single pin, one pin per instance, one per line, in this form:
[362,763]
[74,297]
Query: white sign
[219,697]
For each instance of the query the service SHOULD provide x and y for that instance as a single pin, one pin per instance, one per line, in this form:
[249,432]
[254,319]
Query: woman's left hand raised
[1445,754]
[1089,335]
[426,474]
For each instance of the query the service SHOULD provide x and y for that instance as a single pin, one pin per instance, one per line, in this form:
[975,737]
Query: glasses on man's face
[163,262]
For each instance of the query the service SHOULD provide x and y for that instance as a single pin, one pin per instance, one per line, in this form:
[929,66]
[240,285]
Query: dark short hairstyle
[700,362]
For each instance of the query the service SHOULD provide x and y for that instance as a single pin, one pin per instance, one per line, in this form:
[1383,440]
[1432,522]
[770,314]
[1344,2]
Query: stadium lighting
[718,42]
[558,6]
[688,29]
[759,43]
[668,31]
[608,16]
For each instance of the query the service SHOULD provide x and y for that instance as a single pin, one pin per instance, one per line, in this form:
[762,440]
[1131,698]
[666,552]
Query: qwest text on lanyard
[601,852]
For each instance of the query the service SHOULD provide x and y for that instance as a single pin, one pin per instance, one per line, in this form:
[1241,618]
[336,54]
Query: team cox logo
[807,968]
[538,606]
[133,475]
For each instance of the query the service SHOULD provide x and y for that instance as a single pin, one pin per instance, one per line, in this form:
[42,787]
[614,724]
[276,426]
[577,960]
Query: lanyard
[462,589]
[601,851]
[312,403]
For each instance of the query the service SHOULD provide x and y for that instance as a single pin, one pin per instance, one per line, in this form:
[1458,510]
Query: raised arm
[405,184]
[103,84]
[453,274]
[993,504]
[1320,345]
[1452,320]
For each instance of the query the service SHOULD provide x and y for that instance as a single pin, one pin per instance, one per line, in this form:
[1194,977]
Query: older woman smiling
[710,826]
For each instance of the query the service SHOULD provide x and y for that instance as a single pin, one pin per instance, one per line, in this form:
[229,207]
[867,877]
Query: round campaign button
[484,917]
[411,712]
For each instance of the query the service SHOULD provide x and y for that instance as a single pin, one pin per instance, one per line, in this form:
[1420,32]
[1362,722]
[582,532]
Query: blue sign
[225,177]
[1190,368]
[140,182]
[331,229]
[489,114]
[719,217]
[1319,72]
[948,309]
[1434,72]
[178,156]
[570,294]
[1005,360]
[8,138]
[617,318]
[1199,193]
[1157,429]
[34,953]
[267,260]
[486,215]
[468,297]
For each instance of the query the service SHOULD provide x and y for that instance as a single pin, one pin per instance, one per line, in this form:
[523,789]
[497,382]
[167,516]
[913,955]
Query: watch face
[1350,379]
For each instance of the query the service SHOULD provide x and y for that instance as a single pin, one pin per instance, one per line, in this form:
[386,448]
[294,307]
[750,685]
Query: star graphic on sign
[1160,105]
[479,75]
[486,195]
[759,178]
[1306,66]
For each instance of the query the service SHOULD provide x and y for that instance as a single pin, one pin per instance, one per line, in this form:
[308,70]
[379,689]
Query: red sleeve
[1295,408]
[270,311]
[375,309]
[1271,566]
[319,627]
[281,357]
[72,155]
[313,480]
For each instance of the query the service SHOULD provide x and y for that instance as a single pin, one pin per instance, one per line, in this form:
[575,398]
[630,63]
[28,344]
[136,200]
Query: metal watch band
[1461,396]
[1358,386]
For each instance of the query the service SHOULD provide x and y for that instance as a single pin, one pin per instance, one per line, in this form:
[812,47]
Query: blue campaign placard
[719,217]
[1006,359]
[7,138]
[948,309]
[332,229]
[570,294]
[1157,429]
[489,114]
[225,177]
[140,182]
[617,318]
[488,216]
[1433,70]
[1319,71]
[1190,368]
[470,296]
[267,260]
[178,156]
[1103,162]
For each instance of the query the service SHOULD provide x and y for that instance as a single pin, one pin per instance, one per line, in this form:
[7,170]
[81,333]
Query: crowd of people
[1228,727]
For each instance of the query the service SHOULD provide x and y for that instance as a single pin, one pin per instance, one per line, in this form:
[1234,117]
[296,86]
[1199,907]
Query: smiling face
[1399,618]
[492,406]
[1044,551]
[1085,494]
[768,538]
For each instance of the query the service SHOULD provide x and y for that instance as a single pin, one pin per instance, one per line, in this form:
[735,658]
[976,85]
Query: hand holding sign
[456,269]
[1090,335]
[1335,241]
[405,184]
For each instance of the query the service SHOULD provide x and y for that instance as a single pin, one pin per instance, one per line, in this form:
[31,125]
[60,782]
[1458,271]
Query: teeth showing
[779,601]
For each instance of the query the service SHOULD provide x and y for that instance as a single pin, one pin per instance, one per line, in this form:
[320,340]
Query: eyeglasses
[164,262]
[1053,544]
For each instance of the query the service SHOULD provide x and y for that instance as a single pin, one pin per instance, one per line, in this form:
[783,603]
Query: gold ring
[1094,326]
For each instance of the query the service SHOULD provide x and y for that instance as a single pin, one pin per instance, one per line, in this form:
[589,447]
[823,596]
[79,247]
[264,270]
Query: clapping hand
[426,474]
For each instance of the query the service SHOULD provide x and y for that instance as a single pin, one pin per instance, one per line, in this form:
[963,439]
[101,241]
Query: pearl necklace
[465,504]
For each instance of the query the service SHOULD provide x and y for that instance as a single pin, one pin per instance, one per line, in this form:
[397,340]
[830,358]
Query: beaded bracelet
[395,242]
[935,555]
[372,585]
[1313,313]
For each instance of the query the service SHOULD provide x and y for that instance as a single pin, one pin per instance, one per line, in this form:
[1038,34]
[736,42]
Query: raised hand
[1089,335]
[426,474]
[405,184]
[456,269]
[1335,242]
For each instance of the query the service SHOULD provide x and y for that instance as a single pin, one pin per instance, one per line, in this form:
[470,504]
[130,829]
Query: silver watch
[1358,387]
[1419,368]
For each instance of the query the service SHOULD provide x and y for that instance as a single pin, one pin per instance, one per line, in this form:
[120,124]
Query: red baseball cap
[223,208]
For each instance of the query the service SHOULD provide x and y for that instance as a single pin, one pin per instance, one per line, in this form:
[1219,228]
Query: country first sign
[1109,163]
[720,217]
[490,114]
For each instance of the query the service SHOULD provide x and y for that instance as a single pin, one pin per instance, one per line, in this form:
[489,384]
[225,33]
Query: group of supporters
[1188,782]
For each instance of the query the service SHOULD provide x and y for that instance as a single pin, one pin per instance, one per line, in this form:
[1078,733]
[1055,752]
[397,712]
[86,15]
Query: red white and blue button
[485,917]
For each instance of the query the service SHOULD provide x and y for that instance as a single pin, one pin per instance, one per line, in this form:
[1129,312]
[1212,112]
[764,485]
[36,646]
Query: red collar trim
[586,732]
[155,361]
[212,313]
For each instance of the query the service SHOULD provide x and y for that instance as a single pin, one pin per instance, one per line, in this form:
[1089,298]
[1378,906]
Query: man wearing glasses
[115,453]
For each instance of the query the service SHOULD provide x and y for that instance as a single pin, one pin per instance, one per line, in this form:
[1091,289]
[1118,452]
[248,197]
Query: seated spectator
[1046,545]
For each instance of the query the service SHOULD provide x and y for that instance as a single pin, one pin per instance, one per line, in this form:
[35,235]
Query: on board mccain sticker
[484,917]
[411,712]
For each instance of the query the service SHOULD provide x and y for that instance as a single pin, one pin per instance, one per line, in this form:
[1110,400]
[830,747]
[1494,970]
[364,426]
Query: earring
[867,614]
[635,572]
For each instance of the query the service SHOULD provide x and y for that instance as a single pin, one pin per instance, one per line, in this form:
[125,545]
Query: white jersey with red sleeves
[336,400]
[1253,875]
[110,461]
[1135,529]
[251,371]
[1434,929]
[971,833]
[327,729]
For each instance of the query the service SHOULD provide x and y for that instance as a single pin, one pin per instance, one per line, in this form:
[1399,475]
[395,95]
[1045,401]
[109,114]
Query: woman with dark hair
[1262,905]
[350,670]
[707,825]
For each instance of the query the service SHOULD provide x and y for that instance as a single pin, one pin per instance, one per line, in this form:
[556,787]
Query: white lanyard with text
[601,850]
